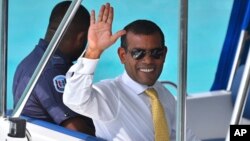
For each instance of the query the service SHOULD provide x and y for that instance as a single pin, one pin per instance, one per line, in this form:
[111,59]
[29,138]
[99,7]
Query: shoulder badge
[59,83]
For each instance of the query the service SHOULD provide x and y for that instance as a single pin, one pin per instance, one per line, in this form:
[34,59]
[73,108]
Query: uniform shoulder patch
[59,83]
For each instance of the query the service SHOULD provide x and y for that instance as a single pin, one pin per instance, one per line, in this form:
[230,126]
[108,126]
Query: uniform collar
[58,57]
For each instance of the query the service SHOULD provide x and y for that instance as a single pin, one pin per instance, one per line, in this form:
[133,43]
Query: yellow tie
[159,120]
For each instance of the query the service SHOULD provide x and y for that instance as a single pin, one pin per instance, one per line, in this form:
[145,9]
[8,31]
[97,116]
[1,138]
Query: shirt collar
[133,85]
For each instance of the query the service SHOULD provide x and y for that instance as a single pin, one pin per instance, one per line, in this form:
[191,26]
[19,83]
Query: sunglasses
[155,53]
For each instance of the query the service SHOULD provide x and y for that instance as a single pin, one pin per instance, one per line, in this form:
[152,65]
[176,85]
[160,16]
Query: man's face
[146,68]
[78,45]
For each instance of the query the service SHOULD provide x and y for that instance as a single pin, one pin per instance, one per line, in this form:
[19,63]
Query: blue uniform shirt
[45,102]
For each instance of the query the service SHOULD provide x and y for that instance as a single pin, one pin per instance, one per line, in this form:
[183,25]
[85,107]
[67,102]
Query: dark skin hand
[79,124]
[100,36]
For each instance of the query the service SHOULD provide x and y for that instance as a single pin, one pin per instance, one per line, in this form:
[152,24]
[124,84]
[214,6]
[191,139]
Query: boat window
[207,27]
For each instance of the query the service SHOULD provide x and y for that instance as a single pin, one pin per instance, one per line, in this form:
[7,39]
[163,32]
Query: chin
[148,83]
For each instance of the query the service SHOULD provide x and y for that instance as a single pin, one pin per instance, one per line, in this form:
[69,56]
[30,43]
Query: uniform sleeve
[87,99]
[50,97]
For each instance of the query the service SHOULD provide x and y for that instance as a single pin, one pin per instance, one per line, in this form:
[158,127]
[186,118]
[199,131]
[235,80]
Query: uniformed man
[45,102]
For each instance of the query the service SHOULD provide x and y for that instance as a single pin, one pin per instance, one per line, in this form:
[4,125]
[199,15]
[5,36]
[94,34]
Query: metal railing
[182,77]
[165,82]
[241,96]
[3,55]
[238,54]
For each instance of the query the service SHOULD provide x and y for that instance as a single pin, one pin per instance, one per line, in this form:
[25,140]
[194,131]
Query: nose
[147,58]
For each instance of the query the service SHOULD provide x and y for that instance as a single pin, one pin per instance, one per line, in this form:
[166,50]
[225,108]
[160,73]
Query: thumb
[117,35]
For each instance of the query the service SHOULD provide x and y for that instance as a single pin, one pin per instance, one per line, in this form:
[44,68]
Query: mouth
[147,70]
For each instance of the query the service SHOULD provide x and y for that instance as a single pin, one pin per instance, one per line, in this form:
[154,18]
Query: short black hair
[80,22]
[144,27]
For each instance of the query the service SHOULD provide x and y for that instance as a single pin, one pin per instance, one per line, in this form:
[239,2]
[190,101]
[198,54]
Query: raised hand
[100,32]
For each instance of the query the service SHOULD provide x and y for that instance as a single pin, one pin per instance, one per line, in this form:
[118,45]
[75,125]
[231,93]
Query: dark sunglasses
[155,53]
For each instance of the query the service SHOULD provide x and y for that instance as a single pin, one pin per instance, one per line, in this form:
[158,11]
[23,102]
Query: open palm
[100,32]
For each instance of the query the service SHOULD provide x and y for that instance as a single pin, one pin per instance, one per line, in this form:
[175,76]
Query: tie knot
[151,92]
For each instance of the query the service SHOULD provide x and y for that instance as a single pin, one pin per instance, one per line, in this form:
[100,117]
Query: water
[207,26]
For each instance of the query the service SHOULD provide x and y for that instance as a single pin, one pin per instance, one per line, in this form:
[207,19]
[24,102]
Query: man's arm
[80,95]
[80,124]
[52,106]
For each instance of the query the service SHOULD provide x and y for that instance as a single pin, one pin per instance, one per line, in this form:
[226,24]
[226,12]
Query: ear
[80,38]
[122,54]
[165,53]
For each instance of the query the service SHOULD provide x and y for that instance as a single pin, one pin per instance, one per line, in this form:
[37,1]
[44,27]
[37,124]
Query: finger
[111,16]
[118,35]
[101,13]
[106,12]
[92,17]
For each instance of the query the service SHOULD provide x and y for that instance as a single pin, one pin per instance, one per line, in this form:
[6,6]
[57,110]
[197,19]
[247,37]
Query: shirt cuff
[87,66]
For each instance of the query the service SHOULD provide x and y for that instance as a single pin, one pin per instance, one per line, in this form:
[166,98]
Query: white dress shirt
[119,107]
